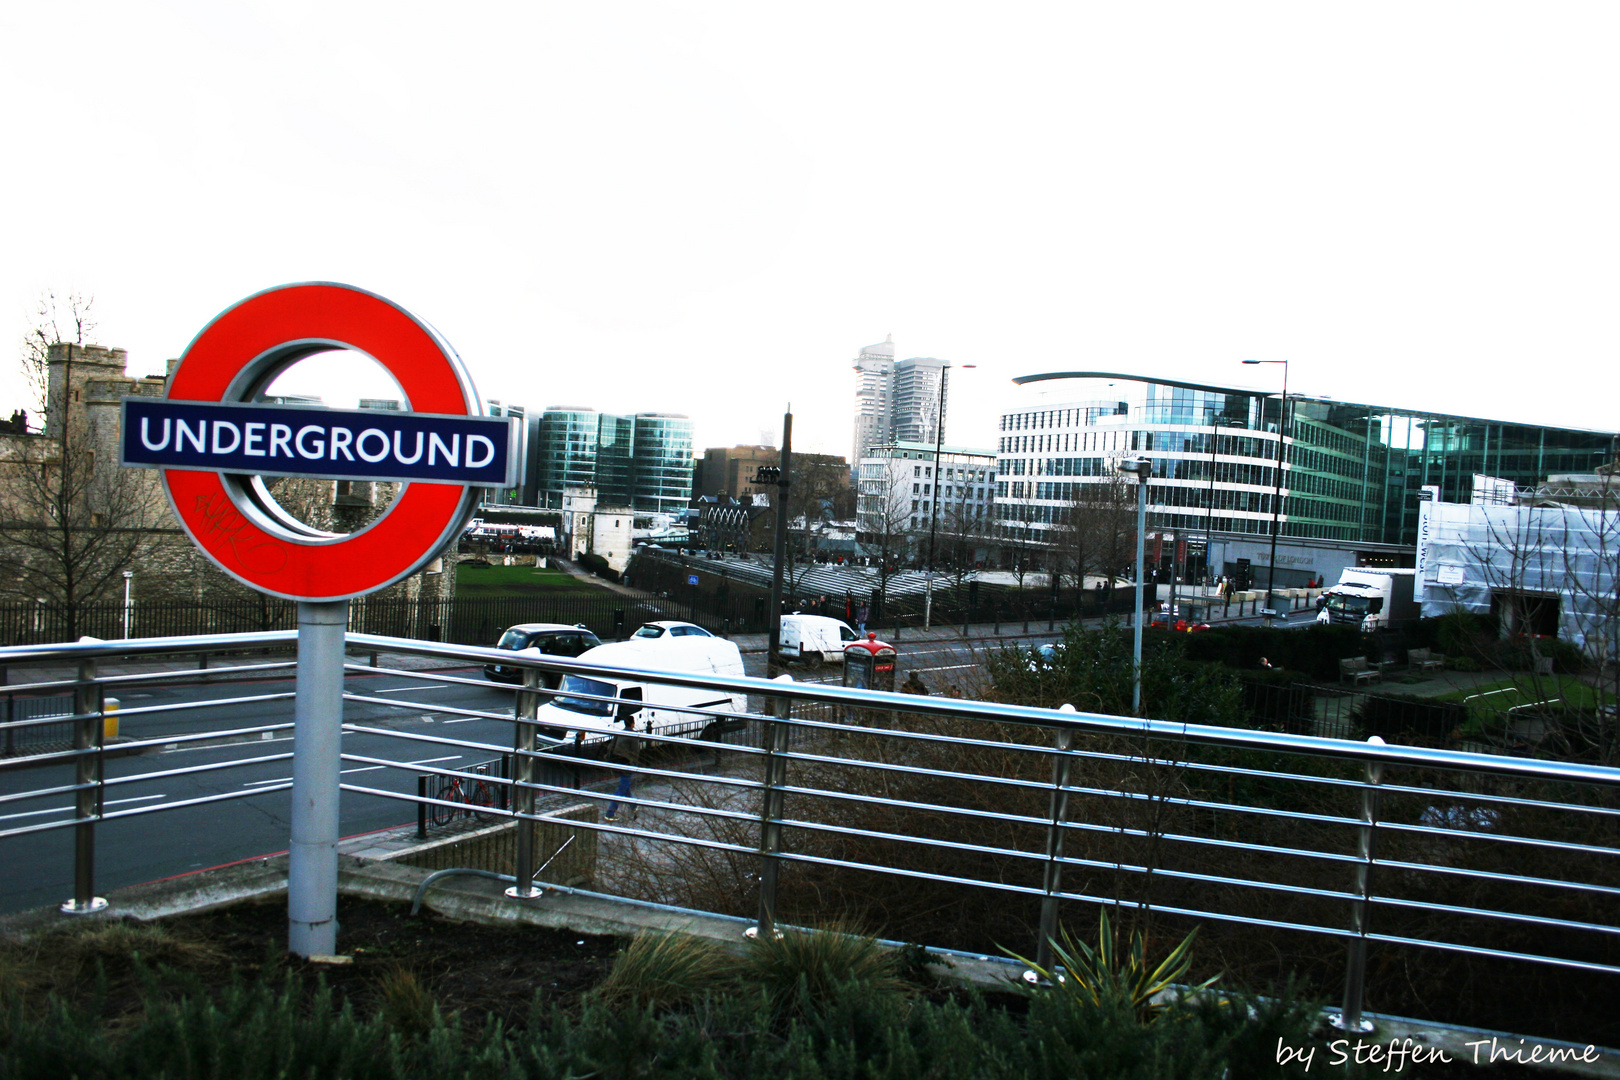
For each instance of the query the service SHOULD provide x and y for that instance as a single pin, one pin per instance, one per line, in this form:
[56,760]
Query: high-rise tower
[874,385]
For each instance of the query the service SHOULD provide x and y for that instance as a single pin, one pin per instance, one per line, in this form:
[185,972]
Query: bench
[1424,660]
[1355,669]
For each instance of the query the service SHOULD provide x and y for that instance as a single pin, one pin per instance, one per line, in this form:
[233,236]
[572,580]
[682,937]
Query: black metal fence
[734,605]
[464,622]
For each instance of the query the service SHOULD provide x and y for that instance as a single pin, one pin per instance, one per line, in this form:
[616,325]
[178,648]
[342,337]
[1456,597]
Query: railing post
[421,806]
[770,808]
[88,732]
[1062,762]
[1349,1018]
[522,801]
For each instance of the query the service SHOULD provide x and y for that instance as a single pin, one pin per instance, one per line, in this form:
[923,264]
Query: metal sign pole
[317,765]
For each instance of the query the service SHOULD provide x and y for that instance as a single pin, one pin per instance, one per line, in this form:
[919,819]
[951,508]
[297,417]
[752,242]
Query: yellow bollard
[109,720]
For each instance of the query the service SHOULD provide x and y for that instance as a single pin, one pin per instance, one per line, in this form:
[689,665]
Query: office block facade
[642,461]
[1352,473]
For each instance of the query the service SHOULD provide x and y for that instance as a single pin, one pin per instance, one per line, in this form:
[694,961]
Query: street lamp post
[778,475]
[1142,468]
[933,515]
[128,577]
[1276,497]
[1215,423]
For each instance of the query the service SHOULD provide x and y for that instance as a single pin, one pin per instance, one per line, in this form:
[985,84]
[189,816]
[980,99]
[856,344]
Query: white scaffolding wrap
[1469,555]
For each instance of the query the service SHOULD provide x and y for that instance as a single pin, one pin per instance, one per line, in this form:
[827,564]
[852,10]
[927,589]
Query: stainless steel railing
[1348,844]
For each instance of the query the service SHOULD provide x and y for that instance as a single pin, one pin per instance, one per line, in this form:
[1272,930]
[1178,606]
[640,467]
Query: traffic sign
[229,511]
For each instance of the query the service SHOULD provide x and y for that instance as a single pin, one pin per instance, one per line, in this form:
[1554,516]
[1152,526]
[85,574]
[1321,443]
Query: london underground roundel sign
[215,441]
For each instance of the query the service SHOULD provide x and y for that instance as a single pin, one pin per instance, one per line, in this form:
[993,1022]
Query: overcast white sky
[710,208]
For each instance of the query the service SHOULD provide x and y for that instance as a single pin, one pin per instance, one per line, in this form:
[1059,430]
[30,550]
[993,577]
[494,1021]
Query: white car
[670,629]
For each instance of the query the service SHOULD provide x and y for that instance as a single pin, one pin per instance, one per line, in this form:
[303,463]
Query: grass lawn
[1491,701]
[474,581]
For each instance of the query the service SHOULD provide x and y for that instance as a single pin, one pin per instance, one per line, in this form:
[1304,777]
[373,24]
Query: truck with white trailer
[1372,598]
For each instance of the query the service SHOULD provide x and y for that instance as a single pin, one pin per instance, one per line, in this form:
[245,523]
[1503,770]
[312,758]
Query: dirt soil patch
[469,969]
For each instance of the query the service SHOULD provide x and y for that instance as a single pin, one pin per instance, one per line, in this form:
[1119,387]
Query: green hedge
[1311,653]
[266,1030]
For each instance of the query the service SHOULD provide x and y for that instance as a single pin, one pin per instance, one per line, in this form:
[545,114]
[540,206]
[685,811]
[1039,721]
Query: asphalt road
[150,833]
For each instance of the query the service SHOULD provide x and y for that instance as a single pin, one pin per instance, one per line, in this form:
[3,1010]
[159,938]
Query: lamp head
[1141,467]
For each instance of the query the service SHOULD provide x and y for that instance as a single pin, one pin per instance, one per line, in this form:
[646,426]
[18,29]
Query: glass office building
[1352,473]
[642,461]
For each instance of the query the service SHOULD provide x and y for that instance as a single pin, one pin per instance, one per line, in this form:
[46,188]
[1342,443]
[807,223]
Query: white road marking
[952,667]
[69,809]
[176,748]
[408,689]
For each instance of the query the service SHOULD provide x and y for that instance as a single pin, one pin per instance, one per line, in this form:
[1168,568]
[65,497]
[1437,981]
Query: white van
[814,638]
[588,708]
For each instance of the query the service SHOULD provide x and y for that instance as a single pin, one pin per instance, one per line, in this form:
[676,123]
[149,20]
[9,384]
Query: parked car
[670,629]
[542,639]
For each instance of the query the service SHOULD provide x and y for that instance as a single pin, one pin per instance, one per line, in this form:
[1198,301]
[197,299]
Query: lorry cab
[814,638]
[589,708]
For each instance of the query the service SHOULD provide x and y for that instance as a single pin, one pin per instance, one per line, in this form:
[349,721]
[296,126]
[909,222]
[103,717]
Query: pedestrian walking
[861,614]
[625,749]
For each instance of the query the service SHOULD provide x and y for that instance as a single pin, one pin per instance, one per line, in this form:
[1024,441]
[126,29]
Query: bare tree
[885,516]
[56,320]
[71,520]
[1097,534]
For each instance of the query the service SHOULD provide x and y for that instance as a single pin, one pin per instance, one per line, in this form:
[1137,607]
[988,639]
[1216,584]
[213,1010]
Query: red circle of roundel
[421,518]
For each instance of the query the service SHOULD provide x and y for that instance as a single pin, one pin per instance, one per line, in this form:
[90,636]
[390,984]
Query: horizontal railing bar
[1503,838]
[209,703]
[200,800]
[1492,875]
[1502,800]
[1497,954]
[1492,913]
[436,677]
[131,747]
[54,757]
[1078,721]
[45,793]
[449,710]
[193,674]
[187,770]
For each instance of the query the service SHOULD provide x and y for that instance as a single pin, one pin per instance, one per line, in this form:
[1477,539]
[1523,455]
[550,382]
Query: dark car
[552,639]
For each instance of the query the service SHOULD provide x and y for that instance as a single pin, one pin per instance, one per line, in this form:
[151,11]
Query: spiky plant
[1108,972]
[406,1005]
[660,969]
[799,968]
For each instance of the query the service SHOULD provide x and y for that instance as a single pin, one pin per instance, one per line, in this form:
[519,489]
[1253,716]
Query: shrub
[1408,719]
[598,566]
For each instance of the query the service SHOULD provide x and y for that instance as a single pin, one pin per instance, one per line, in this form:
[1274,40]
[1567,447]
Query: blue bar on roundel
[338,444]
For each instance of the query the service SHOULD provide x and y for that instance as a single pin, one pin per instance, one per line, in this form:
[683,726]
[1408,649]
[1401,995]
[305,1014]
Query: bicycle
[478,797]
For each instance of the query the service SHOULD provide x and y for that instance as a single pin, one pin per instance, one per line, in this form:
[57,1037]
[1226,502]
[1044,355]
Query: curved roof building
[1352,473]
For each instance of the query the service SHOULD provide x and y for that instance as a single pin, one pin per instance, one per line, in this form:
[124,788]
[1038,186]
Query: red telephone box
[869,664]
